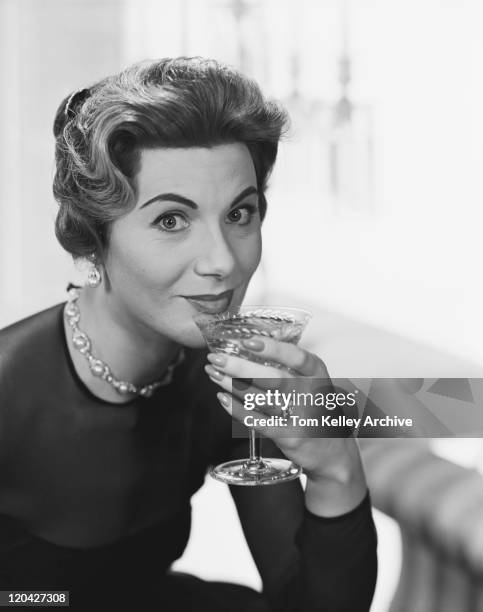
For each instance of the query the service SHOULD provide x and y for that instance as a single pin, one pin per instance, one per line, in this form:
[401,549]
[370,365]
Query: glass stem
[255,446]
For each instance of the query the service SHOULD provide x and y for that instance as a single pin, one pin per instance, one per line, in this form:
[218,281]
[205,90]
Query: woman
[108,420]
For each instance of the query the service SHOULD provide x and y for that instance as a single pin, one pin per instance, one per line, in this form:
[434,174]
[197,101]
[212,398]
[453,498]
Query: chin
[194,343]
[190,337]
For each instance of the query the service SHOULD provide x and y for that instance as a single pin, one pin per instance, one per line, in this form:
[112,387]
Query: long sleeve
[308,563]
[338,563]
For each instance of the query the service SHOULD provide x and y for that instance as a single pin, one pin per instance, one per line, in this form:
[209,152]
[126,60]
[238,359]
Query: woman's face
[191,243]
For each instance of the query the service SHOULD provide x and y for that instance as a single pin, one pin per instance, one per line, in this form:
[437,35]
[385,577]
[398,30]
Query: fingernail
[214,373]
[217,359]
[223,399]
[254,345]
[242,384]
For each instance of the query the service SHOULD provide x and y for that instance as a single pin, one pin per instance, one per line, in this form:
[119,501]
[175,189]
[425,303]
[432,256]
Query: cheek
[250,252]
[141,262]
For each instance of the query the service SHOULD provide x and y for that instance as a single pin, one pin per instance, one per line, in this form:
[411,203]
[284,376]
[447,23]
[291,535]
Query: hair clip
[74,101]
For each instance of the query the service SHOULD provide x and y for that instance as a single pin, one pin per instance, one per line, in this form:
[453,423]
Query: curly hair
[169,103]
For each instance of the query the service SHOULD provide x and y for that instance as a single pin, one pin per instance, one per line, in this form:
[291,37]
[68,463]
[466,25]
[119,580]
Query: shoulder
[25,338]
[29,351]
[27,347]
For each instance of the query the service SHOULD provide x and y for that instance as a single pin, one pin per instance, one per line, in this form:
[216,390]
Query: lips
[211,303]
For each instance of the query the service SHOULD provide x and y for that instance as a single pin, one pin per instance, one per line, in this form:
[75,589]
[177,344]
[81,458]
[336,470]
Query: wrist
[339,487]
[342,466]
[331,498]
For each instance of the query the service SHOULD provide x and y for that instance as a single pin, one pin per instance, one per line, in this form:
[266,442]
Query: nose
[215,256]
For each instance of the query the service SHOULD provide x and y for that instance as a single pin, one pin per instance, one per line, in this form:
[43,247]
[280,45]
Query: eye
[171,222]
[242,215]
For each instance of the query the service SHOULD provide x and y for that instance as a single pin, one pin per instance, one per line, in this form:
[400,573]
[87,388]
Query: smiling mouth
[211,304]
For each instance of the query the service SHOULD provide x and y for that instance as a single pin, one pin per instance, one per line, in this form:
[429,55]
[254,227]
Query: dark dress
[95,496]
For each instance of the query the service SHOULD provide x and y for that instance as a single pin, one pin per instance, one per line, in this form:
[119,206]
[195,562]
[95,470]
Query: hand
[321,458]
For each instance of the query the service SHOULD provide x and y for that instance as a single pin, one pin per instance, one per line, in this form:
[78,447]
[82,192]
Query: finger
[235,408]
[260,376]
[290,356]
[245,392]
[237,367]
[292,434]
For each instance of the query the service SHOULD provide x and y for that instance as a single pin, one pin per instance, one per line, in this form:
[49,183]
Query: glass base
[263,472]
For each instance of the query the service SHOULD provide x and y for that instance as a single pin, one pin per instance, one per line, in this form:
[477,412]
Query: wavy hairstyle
[169,103]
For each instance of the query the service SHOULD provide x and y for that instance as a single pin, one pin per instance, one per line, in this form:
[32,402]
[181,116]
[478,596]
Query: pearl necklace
[100,369]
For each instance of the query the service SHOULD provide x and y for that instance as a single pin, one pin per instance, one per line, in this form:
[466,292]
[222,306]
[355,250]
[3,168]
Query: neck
[132,350]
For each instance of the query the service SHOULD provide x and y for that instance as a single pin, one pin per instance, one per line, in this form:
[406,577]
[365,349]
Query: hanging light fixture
[350,138]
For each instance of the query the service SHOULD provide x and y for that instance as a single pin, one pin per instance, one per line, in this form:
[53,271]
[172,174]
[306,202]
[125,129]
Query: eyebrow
[175,197]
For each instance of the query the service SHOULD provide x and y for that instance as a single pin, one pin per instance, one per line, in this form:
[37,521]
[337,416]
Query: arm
[316,551]
[311,557]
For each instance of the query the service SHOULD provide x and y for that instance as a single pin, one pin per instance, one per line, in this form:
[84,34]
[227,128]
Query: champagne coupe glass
[224,334]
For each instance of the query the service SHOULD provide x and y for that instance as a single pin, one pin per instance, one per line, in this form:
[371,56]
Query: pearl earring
[94,277]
